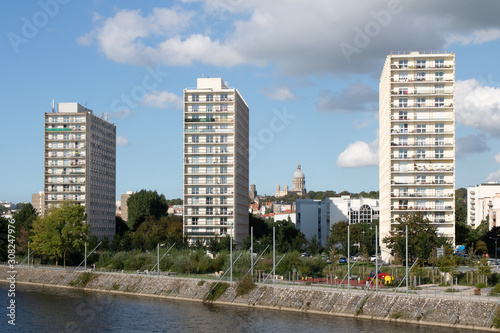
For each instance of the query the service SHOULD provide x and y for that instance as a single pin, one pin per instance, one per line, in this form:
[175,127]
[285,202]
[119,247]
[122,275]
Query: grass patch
[115,286]
[397,315]
[82,280]
[496,319]
[450,290]
[216,290]
[245,286]
[201,283]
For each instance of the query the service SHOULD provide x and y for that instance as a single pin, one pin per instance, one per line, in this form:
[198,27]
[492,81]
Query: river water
[63,310]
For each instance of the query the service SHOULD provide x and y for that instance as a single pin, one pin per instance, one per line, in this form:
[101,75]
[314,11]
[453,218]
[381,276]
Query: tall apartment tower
[417,140]
[216,145]
[80,164]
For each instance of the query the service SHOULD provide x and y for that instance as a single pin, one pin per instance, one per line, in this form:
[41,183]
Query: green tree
[314,246]
[422,237]
[24,219]
[145,203]
[3,238]
[60,232]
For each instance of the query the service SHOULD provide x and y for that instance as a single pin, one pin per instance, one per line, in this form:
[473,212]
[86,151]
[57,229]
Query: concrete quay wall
[382,306]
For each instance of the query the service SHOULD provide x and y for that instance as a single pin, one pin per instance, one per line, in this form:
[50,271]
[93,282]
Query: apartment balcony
[419,209]
[422,182]
[398,93]
[414,132]
[421,195]
[419,145]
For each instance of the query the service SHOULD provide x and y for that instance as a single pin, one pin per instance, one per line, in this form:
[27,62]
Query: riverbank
[468,314]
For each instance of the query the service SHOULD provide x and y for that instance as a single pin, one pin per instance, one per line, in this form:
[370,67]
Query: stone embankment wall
[412,309]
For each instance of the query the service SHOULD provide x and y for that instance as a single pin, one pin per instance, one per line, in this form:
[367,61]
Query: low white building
[315,217]
[483,201]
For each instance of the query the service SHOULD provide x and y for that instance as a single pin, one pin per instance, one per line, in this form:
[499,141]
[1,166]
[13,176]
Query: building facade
[315,217]
[38,202]
[483,203]
[298,187]
[80,164]
[216,152]
[417,140]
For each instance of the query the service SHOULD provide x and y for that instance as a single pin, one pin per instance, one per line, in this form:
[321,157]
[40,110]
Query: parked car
[342,261]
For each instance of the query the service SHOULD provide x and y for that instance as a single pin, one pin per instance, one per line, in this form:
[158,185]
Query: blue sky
[312,68]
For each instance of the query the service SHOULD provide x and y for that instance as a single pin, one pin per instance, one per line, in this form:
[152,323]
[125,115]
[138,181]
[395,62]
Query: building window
[223,169]
[209,149]
[210,220]
[195,200]
[421,76]
[403,115]
[439,204]
[403,91]
[403,153]
[210,108]
[421,128]
[403,102]
[439,179]
[421,141]
[194,221]
[403,141]
[223,138]
[223,97]
[223,200]
[403,204]
[209,200]
[420,153]
[195,98]
[439,128]
[403,128]
[195,190]
[210,138]
[195,169]
[439,101]
[439,153]
[421,179]
[439,76]
[223,159]
[420,63]
[403,64]
[223,190]
[195,180]
[421,102]
[439,63]
[196,108]
[223,179]
[403,76]
[439,140]
[209,180]
[210,159]
[195,139]
[421,204]
[209,210]
[223,221]
[210,170]
[195,211]
[210,97]
[210,190]
[224,107]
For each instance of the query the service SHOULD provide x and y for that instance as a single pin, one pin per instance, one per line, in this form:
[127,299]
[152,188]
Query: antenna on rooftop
[52,105]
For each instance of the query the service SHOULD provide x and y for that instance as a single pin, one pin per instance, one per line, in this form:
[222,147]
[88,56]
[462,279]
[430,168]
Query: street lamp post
[496,248]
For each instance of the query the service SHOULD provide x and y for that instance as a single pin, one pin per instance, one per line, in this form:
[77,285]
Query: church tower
[299,182]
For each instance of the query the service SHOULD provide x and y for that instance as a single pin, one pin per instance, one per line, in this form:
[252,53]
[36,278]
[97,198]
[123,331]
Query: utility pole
[376,260]
[28,253]
[158,258]
[231,252]
[406,259]
[274,256]
[348,259]
[251,250]
[85,256]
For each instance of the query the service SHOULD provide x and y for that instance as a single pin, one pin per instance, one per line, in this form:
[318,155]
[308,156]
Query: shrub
[82,280]
[201,283]
[245,286]
[216,290]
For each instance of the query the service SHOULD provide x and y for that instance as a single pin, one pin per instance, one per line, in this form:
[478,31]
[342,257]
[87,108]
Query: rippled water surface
[62,310]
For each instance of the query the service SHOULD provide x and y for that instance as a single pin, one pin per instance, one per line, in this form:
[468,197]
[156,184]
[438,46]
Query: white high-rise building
[483,203]
[417,140]
[216,148]
[80,164]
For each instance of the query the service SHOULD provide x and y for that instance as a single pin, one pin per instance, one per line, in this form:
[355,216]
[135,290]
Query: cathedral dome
[298,173]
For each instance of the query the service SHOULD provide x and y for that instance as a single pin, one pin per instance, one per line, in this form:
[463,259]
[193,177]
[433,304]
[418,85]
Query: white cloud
[279,94]
[121,141]
[121,114]
[494,176]
[478,106]
[359,154]
[299,36]
[162,100]
[476,37]
[84,40]
[497,158]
